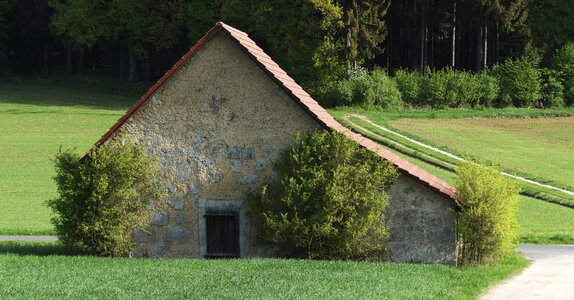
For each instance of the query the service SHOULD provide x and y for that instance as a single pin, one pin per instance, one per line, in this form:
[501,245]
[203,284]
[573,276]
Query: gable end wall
[217,125]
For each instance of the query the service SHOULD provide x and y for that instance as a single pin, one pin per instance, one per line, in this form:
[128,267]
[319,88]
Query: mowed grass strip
[411,149]
[35,121]
[32,276]
[540,146]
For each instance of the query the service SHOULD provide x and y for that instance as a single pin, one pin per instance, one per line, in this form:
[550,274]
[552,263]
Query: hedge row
[515,82]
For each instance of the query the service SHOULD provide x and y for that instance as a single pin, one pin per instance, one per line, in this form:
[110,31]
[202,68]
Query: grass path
[443,152]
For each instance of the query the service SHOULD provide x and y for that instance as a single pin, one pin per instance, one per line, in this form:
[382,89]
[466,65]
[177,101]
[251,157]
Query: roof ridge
[303,99]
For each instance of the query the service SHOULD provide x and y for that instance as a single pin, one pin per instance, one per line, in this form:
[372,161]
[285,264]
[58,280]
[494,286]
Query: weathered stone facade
[421,224]
[217,125]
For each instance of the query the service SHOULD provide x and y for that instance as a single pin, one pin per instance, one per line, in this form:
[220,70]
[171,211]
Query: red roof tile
[303,99]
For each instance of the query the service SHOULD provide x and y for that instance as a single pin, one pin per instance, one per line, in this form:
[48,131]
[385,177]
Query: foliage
[551,23]
[82,22]
[552,89]
[520,83]
[145,24]
[365,29]
[200,16]
[447,88]
[433,88]
[489,88]
[486,223]
[462,89]
[370,89]
[409,84]
[301,35]
[329,201]
[563,63]
[104,197]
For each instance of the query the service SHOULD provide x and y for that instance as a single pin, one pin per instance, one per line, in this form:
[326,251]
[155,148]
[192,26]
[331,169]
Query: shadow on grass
[91,91]
[36,248]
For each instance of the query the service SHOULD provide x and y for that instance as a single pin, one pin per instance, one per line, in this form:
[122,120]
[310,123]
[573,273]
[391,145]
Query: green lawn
[35,121]
[530,143]
[30,276]
[543,147]
[539,222]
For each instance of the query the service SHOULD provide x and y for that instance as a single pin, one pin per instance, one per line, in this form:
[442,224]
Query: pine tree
[365,30]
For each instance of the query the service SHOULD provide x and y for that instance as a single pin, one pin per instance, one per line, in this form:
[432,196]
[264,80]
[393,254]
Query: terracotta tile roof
[303,99]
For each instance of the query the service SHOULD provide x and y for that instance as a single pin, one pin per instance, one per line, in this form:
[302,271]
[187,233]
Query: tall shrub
[520,83]
[409,84]
[104,197]
[462,88]
[552,89]
[563,63]
[433,88]
[328,202]
[374,89]
[488,87]
[486,223]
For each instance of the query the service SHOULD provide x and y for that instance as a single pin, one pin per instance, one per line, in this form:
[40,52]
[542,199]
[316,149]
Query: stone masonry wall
[216,125]
[422,227]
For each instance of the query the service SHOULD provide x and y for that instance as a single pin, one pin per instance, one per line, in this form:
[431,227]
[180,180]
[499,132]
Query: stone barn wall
[216,126]
[422,226]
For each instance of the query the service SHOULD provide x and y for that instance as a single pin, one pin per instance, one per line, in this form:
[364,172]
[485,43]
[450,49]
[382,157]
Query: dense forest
[318,42]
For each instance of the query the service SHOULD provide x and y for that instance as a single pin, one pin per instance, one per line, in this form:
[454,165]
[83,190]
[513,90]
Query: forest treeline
[318,42]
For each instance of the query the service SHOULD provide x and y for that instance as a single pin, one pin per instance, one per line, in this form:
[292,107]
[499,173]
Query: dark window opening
[222,233]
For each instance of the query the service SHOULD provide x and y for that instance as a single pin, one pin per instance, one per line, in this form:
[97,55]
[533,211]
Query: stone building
[217,121]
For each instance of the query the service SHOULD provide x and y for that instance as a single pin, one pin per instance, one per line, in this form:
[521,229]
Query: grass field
[528,143]
[31,276]
[35,121]
[540,146]
[539,221]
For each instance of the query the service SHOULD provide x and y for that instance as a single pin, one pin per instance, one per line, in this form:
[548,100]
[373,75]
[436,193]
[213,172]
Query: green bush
[369,89]
[104,197]
[447,88]
[409,84]
[488,88]
[433,88]
[486,223]
[520,83]
[328,202]
[552,89]
[563,63]
[462,90]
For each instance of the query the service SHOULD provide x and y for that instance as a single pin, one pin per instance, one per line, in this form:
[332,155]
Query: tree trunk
[81,61]
[122,66]
[496,41]
[147,70]
[46,54]
[133,64]
[348,42]
[478,49]
[423,38]
[485,48]
[68,61]
[453,37]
